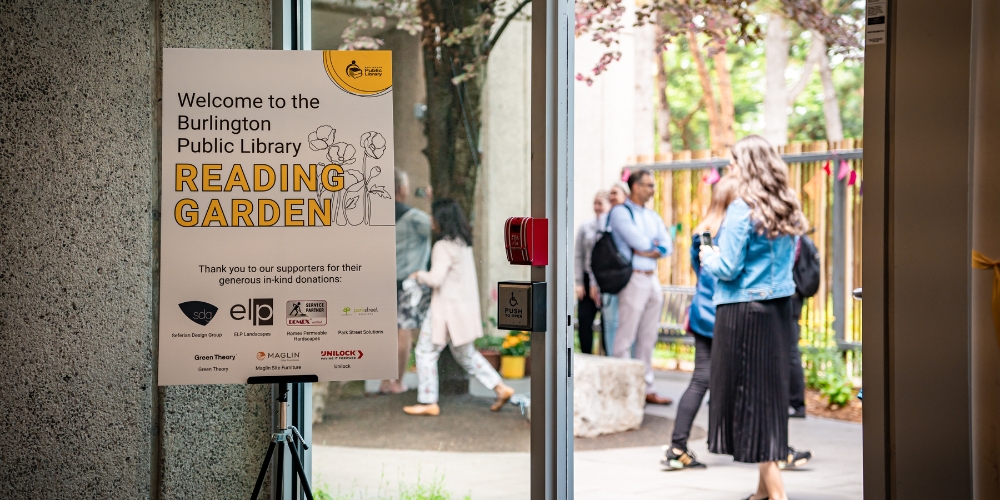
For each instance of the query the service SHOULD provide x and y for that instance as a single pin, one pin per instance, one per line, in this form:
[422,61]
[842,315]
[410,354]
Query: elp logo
[198,311]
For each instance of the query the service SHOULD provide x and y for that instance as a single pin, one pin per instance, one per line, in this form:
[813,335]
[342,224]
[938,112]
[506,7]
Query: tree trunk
[727,108]
[831,109]
[663,108]
[452,121]
[708,94]
[817,49]
[644,135]
[775,95]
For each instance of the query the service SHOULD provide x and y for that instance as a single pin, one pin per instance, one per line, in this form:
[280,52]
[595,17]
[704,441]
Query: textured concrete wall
[213,438]
[76,237]
[78,189]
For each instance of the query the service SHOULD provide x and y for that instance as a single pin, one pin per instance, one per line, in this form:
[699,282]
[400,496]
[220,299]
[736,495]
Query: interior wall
[212,438]
[79,174]
[76,171]
[986,239]
[926,260]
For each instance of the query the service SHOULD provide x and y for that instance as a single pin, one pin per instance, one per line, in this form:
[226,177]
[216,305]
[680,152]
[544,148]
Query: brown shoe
[431,410]
[503,395]
[655,399]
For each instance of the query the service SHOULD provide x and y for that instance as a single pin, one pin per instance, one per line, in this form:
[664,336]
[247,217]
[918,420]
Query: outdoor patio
[611,473]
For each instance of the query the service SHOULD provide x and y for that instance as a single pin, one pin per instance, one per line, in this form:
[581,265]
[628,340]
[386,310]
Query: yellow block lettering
[241,212]
[289,211]
[185,175]
[259,170]
[215,214]
[262,218]
[186,212]
[211,173]
[237,178]
[316,211]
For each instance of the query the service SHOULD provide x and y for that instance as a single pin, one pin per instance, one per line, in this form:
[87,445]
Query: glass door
[481,134]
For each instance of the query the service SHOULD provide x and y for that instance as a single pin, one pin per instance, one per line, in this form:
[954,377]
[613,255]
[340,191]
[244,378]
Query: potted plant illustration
[513,351]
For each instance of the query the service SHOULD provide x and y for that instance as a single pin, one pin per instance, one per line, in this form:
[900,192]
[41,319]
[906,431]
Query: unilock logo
[198,311]
[349,354]
[214,357]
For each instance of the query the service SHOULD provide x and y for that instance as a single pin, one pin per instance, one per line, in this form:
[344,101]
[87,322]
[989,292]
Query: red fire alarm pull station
[527,241]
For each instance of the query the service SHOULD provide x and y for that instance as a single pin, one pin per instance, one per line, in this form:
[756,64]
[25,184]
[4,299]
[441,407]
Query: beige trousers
[639,307]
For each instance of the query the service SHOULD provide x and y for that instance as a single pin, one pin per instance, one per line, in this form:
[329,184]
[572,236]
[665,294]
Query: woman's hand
[579,292]
[595,295]
[706,251]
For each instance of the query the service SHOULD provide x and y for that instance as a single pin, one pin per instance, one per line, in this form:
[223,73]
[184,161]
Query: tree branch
[488,46]
[817,49]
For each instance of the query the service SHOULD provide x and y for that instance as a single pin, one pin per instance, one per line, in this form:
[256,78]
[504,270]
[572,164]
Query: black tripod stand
[286,436]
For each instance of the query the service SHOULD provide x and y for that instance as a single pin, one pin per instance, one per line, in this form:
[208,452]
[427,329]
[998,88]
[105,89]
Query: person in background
[641,236]
[748,417]
[413,252]
[588,296]
[617,195]
[454,319]
[701,323]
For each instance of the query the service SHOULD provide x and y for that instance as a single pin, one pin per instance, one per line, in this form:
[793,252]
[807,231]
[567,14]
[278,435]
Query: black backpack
[806,269]
[610,268]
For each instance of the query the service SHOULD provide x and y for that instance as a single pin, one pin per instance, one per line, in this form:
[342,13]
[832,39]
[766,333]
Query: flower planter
[512,367]
[492,357]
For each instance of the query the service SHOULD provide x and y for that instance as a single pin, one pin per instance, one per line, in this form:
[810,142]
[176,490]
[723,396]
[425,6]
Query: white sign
[876,20]
[277,217]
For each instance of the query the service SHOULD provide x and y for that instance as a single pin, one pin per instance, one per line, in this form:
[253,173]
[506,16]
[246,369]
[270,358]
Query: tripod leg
[297,466]
[263,472]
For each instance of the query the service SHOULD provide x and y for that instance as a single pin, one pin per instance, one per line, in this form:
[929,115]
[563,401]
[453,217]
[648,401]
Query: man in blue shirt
[640,235]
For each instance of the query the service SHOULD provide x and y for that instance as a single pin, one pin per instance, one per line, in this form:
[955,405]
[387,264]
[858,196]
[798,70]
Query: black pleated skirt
[748,413]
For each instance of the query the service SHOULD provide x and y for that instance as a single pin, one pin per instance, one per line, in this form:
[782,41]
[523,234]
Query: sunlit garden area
[665,86]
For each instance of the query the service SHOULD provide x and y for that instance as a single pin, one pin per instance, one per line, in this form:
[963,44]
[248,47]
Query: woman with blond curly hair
[748,417]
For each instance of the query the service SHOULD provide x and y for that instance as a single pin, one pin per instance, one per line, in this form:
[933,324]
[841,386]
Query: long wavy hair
[723,194]
[451,222]
[763,185]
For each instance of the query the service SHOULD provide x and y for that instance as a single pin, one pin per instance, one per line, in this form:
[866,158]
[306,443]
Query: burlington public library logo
[198,311]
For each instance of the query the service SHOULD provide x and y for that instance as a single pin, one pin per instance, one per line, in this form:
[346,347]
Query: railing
[829,180]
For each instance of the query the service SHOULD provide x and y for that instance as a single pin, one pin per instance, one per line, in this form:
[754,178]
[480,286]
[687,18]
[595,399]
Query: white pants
[640,304]
[427,354]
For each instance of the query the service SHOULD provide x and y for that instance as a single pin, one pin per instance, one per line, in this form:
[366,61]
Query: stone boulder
[609,395]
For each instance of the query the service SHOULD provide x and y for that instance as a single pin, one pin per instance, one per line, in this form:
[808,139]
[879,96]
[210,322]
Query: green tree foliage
[747,67]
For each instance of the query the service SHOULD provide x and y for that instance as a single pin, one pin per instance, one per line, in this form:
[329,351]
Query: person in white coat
[454,318]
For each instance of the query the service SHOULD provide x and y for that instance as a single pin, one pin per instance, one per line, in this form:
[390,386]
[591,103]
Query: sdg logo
[198,311]
[261,312]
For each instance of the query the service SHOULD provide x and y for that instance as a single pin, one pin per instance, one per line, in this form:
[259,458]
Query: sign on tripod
[277,225]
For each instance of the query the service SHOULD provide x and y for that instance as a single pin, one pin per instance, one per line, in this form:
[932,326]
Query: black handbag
[610,268]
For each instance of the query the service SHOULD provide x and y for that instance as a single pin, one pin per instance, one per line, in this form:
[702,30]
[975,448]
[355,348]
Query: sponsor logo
[260,312]
[215,357]
[348,354]
[198,311]
[305,313]
[360,311]
[283,356]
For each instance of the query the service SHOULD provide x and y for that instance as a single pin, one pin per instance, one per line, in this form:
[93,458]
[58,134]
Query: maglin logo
[261,355]
[198,311]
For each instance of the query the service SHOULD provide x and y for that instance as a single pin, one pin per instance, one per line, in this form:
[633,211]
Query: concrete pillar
[213,437]
[79,165]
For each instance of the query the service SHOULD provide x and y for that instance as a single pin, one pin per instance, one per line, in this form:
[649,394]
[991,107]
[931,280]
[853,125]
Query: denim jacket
[701,316]
[750,266]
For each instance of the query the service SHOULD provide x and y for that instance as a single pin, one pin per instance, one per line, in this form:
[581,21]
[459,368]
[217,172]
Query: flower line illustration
[352,205]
